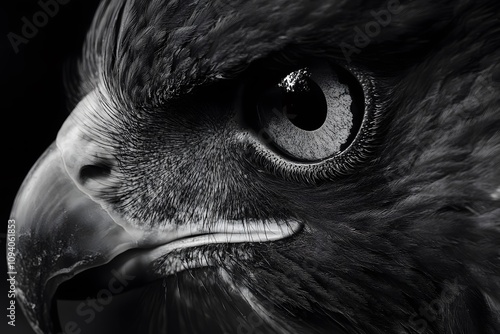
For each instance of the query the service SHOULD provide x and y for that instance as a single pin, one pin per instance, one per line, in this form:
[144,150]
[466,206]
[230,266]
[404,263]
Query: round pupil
[304,103]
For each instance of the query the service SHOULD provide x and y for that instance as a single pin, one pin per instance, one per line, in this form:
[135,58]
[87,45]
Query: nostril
[94,172]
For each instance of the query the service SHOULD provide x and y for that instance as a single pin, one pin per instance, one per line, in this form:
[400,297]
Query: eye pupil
[305,105]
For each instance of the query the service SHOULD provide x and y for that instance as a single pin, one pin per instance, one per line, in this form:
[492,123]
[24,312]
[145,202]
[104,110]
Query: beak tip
[59,232]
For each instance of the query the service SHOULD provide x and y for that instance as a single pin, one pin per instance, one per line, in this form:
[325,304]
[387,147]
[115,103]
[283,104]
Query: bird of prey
[272,166]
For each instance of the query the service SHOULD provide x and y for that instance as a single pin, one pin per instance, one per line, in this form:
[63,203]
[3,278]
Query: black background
[32,101]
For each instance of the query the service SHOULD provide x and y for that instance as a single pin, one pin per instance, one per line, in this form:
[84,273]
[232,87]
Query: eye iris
[303,101]
[311,114]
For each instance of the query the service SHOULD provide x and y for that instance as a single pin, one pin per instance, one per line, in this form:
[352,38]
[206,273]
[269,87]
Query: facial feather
[417,224]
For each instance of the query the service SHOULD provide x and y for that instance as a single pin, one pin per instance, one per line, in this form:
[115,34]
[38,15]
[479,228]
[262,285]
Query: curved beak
[61,232]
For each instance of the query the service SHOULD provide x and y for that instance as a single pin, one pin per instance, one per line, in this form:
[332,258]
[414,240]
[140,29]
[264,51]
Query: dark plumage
[414,222]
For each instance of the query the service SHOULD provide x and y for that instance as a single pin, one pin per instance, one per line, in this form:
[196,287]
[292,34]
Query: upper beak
[61,232]
[63,228]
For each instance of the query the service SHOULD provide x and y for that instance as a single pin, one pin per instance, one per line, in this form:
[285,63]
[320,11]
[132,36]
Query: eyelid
[341,164]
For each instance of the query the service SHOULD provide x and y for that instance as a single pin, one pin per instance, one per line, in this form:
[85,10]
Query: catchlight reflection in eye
[308,114]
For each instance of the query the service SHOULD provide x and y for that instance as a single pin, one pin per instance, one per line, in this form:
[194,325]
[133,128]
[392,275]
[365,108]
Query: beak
[64,229]
[61,232]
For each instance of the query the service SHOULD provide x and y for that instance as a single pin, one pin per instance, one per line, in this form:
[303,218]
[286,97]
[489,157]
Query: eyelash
[345,163]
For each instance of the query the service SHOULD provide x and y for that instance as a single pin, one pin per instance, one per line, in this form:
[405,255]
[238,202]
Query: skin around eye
[281,134]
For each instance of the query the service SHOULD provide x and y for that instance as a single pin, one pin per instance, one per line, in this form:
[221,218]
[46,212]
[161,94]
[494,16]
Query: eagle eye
[312,123]
[311,114]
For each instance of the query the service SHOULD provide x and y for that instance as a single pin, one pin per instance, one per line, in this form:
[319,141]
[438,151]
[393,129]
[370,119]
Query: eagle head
[273,166]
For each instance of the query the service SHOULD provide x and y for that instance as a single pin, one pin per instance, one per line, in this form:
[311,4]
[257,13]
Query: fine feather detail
[419,220]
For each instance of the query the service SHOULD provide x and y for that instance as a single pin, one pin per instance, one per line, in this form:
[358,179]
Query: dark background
[32,101]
